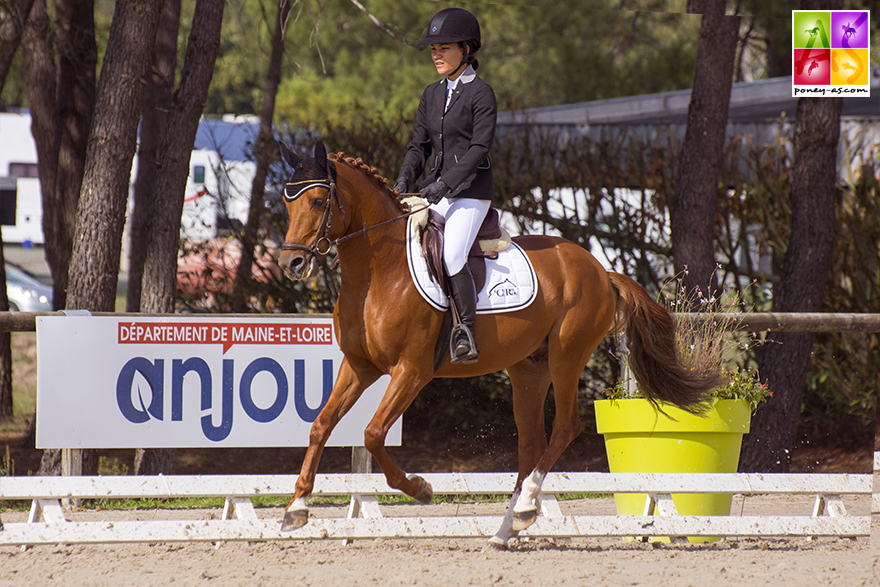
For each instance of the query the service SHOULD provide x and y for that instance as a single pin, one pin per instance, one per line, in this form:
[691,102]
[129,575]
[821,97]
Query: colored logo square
[812,67]
[811,29]
[849,29]
[849,67]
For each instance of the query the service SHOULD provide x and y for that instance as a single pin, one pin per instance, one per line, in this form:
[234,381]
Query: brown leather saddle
[431,240]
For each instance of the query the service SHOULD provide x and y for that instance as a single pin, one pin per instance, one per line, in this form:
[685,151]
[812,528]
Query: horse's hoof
[295,519]
[495,546]
[522,520]
[425,493]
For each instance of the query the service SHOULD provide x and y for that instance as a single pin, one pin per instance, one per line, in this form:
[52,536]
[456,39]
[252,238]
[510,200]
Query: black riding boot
[462,348]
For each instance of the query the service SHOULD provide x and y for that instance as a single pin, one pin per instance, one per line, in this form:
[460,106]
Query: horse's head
[309,196]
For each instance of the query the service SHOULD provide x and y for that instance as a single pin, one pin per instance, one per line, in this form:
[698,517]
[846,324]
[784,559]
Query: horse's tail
[653,357]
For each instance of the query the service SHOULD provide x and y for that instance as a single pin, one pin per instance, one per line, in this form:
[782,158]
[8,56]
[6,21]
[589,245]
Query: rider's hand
[435,191]
[400,186]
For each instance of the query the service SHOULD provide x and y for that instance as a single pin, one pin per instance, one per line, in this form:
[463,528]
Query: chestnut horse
[385,327]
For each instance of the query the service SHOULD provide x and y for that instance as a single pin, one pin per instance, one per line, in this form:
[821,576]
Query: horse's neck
[378,255]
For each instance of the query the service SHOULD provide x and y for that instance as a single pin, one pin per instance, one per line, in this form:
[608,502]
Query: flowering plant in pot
[642,436]
[738,384]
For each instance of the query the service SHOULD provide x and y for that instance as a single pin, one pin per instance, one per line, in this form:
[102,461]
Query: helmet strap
[456,69]
[467,51]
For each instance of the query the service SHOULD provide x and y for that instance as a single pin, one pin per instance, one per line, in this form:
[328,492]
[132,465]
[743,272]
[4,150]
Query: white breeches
[464,216]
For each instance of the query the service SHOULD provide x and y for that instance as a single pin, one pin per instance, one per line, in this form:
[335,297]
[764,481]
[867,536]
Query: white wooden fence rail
[875,501]
[48,524]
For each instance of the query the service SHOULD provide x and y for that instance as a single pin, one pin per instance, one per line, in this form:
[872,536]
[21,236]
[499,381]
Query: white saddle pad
[511,283]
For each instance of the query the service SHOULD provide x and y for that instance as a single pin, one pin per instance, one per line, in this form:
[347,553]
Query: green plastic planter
[640,439]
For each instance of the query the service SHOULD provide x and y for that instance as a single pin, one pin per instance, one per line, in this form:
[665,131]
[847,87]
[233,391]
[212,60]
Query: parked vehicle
[25,292]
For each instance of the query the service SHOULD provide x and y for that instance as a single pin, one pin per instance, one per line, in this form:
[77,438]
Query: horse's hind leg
[565,365]
[349,387]
[530,381]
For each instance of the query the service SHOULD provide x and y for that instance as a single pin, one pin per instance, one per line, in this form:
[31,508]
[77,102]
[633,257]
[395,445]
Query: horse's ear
[321,155]
[288,155]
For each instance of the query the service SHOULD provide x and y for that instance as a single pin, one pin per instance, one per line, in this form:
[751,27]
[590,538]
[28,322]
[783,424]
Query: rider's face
[447,57]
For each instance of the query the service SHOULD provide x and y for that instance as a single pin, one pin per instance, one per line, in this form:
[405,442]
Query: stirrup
[469,346]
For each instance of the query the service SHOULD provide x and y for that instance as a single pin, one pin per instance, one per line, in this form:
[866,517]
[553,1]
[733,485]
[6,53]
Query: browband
[306,185]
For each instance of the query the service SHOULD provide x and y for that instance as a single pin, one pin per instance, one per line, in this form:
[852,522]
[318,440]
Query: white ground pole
[48,523]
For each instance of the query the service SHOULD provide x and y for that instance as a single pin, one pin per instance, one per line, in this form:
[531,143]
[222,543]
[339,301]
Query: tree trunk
[13,16]
[163,236]
[60,121]
[5,347]
[163,229]
[38,64]
[265,147]
[806,265]
[778,46]
[94,267]
[77,60]
[692,209]
[94,260]
[59,124]
[155,461]
[157,103]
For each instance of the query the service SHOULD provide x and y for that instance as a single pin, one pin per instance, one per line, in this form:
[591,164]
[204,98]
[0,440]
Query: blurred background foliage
[340,68]
[343,70]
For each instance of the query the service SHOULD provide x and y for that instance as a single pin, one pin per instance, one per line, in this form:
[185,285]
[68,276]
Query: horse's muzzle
[297,265]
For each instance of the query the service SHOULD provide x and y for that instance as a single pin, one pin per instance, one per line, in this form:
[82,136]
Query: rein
[367,229]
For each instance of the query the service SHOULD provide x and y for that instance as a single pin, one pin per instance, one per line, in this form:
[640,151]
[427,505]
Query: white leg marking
[298,504]
[531,487]
[506,531]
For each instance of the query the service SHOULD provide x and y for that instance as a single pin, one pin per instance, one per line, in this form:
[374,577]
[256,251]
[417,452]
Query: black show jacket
[460,139]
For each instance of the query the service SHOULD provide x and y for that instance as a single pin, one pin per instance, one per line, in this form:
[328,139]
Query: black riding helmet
[453,25]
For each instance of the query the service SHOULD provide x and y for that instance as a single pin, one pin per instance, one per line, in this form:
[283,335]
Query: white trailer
[217,193]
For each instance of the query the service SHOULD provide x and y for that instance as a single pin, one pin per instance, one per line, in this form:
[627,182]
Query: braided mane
[371,173]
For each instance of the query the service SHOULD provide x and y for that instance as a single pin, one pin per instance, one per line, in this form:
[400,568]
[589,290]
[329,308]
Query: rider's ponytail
[469,50]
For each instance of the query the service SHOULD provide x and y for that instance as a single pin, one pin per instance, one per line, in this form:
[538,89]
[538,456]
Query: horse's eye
[318,203]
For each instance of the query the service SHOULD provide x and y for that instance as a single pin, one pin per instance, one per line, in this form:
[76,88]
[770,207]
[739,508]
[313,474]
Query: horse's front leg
[501,538]
[350,385]
[402,390]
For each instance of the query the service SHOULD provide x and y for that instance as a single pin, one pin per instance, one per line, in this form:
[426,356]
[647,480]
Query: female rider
[455,121]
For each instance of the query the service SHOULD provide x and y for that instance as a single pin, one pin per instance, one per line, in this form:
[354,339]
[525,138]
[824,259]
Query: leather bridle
[323,243]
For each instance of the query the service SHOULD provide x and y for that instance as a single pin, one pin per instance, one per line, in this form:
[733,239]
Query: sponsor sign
[830,53]
[185,382]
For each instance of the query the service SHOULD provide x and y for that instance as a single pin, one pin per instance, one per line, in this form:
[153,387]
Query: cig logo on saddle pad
[505,289]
